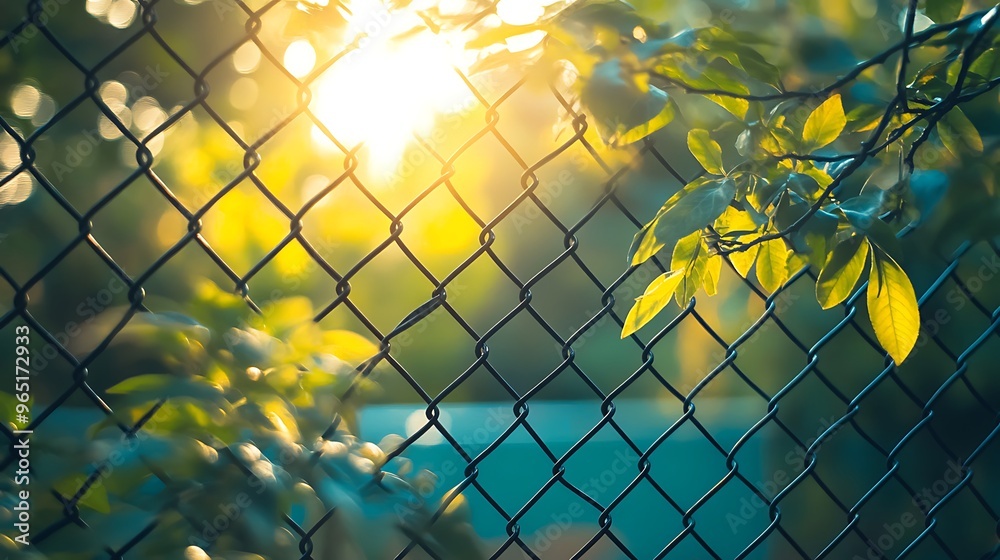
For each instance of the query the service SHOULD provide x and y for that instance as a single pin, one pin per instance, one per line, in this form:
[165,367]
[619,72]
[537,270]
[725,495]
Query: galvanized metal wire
[852,522]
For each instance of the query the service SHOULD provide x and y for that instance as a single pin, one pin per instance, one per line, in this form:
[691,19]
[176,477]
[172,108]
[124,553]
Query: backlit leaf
[153,387]
[652,301]
[690,255]
[744,229]
[942,11]
[625,109]
[735,105]
[958,134]
[706,151]
[95,497]
[824,124]
[772,264]
[841,272]
[696,206]
[892,307]
[710,278]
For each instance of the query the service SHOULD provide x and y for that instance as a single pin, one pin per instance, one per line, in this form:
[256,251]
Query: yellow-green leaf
[958,134]
[706,151]
[743,260]
[772,264]
[691,209]
[95,497]
[625,107]
[821,177]
[841,272]
[824,124]
[733,221]
[652,301]
[942,11]
[689,255]
[638,132]
[892,307]
[710,278]
[349,346]
[735,105]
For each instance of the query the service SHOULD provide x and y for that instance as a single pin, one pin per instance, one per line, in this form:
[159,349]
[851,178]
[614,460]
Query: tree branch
[908,41]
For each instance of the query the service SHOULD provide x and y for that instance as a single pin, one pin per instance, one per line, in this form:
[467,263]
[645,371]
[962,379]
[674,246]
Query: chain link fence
[858,457]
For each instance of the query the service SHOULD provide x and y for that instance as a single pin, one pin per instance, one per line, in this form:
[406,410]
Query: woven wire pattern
[850,523]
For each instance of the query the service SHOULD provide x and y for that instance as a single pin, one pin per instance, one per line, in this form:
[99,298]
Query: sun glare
[391,86]
[397,82]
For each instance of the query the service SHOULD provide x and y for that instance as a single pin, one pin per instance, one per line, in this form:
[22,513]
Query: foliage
[800,189]
[212,460]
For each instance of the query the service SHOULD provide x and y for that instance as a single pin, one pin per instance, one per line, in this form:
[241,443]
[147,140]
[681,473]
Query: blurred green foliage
[255,426]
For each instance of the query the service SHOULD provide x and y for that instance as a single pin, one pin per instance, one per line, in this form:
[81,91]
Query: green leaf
[841,272]
[625,106]
[757,67]
[821,177]
[652,301]
[865,117]
[943,11]
[691,209]
[778,140]
[735,105]
[763,193]
[892,307]
[863,210]
[638,132]
[744,229]
[986,65]
[958,134]
[706,151]
[710,278]
[690,254]
[743,260]
[862,213]
[96,497]
[803,185]
[155,386]
[824,124]
[772,264]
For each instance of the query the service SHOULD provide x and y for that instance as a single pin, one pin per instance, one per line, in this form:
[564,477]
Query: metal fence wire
[889,424]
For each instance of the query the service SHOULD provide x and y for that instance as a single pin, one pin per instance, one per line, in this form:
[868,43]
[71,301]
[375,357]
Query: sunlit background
[351,118]
[379,129]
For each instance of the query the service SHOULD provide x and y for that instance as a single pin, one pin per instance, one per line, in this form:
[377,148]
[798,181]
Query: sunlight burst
[393,85]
